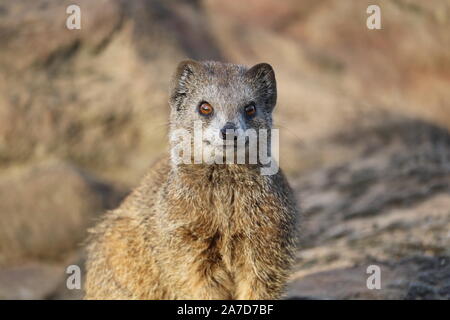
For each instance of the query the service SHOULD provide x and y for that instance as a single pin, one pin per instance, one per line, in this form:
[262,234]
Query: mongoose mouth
[226,143]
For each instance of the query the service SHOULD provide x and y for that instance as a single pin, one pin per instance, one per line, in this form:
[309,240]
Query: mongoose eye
[205,109]
[250,110]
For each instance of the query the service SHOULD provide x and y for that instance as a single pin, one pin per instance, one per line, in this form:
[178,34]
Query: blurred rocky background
[364,119]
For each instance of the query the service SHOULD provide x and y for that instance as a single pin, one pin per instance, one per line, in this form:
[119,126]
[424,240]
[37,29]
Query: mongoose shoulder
[202,230]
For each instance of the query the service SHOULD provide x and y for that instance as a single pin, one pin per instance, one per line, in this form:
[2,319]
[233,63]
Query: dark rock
[420,291]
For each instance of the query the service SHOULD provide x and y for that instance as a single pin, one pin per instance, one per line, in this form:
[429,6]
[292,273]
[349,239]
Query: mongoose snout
[227,132]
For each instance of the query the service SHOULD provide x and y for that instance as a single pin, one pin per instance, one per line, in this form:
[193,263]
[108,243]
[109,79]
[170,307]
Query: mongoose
[199,230]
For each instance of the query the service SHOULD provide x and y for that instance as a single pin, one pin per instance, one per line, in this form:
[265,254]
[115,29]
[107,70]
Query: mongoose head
[222,97]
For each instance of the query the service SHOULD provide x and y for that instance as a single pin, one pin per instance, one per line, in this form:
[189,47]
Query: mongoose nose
[223,131]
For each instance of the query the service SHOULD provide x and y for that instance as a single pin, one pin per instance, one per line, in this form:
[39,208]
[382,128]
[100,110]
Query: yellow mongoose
[199,230]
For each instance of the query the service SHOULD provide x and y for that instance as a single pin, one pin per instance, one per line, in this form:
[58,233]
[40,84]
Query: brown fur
[196,232]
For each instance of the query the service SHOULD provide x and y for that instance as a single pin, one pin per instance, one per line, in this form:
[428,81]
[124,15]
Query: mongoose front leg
[207,289]
[202,273]
[252,286]
[261,276]
[206,282]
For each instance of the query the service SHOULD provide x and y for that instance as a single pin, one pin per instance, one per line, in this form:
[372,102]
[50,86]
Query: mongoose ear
[263,78]
[183,76]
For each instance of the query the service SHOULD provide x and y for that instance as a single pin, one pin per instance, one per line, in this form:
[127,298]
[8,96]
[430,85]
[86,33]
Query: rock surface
[390,207]
[46,209]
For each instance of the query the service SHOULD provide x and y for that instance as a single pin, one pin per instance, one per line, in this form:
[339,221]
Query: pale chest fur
[224,200]
[222,213]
